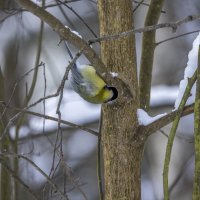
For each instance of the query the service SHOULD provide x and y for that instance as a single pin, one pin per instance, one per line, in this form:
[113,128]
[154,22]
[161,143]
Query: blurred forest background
[25,42]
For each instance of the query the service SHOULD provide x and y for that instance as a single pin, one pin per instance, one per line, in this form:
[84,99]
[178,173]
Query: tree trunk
[122,157]
[4,175]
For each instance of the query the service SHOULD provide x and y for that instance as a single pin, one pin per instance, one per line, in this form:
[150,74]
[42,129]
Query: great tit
[90,86]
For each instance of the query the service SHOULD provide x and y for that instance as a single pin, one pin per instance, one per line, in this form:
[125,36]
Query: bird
[85,81]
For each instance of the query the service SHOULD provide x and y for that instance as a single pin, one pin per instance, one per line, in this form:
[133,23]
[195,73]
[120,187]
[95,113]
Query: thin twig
[44,102]
[181,173]
[180,137]
[99,175]
[196,183]
[186,94]
[59,131]
[172,25]
[53,185]
[37,61]
[56,120]
[163,132]
[79,17]
[11,120]
[146,4]
[15,86]
[17,178]
[11,15]
[178,36]
[66,16]
[138,5]
[65,33]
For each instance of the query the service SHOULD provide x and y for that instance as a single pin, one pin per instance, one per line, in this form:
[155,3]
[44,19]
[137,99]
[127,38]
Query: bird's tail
[68,50]
[74,69]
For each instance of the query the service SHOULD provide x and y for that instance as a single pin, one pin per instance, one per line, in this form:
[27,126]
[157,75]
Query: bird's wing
[93,83]
[76,76]
[86,80]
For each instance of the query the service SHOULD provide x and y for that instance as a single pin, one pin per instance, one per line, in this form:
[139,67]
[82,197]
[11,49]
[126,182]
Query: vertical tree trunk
[122,158]
[5,182]
[4,175]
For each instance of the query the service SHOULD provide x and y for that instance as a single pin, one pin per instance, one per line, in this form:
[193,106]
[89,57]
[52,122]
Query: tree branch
[54,186]
[16,177]
[56,120]
[171,137]
[172,25]
[177,36]
[147,55]
[163,121]
[196,183]
[64,32]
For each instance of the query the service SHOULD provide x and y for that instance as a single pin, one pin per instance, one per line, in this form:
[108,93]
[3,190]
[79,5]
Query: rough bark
[122,159]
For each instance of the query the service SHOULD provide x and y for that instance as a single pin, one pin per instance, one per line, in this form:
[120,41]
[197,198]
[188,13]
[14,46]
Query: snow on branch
[189,71]
[144,119]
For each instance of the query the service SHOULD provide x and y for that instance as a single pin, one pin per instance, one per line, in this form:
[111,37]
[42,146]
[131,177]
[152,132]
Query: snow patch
[144,119]
[75,32]
[114,74]
[189,71]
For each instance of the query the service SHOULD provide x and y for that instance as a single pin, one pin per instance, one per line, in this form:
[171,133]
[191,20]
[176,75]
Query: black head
[115,92]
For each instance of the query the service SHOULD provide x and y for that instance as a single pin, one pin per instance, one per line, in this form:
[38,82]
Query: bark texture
[122,158]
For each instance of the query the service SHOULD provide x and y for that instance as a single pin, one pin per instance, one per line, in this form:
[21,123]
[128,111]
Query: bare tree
[121,136]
